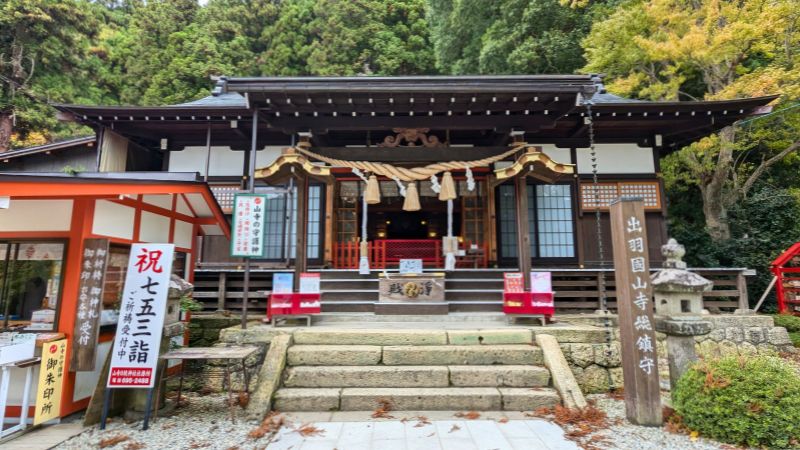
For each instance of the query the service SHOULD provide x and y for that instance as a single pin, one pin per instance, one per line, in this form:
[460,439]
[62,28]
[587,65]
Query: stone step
[499,376]
[414,399]
[333,355]
[433,355]
[367,376]
[416,376]
[370,337]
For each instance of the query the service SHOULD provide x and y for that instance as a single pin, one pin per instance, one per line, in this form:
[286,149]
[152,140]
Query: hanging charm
[470,180]
[411,202]
[448,191]
[435,186]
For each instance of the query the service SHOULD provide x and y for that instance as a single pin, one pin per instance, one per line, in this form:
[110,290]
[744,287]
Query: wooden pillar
[741,286]
[221,288]
[523,228]
[302,229]
[329,199]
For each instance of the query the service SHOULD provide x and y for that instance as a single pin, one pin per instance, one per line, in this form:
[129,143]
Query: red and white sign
[141,317]
[248,225]
[513,282]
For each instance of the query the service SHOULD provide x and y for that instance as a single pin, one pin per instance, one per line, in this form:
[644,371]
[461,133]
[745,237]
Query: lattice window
[608,192]
[347,211]
[224,195]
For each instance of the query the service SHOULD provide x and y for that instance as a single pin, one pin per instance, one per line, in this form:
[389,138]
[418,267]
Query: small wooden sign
[90,303]
[412,288]
[635,309]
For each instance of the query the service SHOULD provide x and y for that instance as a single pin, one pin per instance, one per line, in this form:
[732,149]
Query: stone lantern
[678,295]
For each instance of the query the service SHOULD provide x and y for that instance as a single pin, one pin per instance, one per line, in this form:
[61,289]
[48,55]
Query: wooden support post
[635,309]
[221,287]
[523,227]
[741,285]
[302,229]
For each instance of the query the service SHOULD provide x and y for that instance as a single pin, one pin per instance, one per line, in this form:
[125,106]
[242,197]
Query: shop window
[30,284]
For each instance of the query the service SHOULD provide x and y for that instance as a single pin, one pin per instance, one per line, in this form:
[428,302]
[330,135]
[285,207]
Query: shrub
[742,400]
[788,321]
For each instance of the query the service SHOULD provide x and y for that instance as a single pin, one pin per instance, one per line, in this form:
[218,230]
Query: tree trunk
[6,127]
[715,204]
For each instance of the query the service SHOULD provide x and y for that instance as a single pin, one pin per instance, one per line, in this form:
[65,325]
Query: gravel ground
[623,435]
[204,423]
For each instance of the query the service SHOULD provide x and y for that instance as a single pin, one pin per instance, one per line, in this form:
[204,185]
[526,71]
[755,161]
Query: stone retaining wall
[204,329]
[597,365]
[591,349]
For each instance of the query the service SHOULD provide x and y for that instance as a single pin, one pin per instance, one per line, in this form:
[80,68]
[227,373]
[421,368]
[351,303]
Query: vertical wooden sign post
[635,309]
[90,302]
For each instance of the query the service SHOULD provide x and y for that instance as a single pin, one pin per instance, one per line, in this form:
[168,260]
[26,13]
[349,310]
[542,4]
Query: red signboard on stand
[305,302]
[517,301]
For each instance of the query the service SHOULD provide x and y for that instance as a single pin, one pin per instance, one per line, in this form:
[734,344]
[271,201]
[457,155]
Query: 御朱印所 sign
[247,229]
[141,316]
[51,381]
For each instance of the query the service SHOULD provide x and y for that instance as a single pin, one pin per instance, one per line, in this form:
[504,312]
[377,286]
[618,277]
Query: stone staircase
[414,370]
[467,290]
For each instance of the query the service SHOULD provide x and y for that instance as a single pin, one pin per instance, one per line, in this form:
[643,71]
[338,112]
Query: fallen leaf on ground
[113,440]
[382,412]
[271,423]
[454,428]
[503,420]
[309,430]
[133,446]
[470,415]
[422,421]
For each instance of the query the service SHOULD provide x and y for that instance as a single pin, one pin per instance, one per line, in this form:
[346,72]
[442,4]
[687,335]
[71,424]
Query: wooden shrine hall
[473,174]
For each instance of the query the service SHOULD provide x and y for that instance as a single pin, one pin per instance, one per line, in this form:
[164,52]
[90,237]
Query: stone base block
[462,355]
[524,399]
[493,376]
[386,308]
[304,399]
[490,337]
[334,355]
[422,399]
[367,376]
[371,337]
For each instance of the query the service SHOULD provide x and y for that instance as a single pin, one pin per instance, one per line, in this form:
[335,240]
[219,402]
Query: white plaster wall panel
[85,382]
[617,158]
[268,155]
[182,207]
[113,220]
[183,234]
[162,201]
[211,230]
[199,205]
[154,228]
[36,215]
[224,161]
[559,155]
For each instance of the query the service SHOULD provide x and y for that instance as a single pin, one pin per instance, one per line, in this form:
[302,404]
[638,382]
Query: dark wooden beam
[409,154]
[302,229]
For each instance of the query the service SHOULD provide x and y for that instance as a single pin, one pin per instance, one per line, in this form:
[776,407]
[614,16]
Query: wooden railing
[576,289]
[387,253]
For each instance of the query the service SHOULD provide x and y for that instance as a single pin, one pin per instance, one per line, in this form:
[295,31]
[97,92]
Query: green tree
[672,49]
[41,45]
[509,36]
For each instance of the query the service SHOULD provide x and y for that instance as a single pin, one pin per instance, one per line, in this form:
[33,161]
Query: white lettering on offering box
[248,225]
[141,318]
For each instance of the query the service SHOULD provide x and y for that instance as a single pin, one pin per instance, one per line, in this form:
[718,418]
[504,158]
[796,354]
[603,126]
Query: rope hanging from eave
[409,174]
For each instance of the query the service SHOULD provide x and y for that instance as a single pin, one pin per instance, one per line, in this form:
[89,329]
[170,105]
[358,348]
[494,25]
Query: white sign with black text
[141,316]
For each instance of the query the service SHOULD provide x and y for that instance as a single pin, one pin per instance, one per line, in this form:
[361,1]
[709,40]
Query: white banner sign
[247,238]
[141,316]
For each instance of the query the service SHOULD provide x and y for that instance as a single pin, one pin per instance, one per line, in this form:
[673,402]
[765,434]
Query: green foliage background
[165,51]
